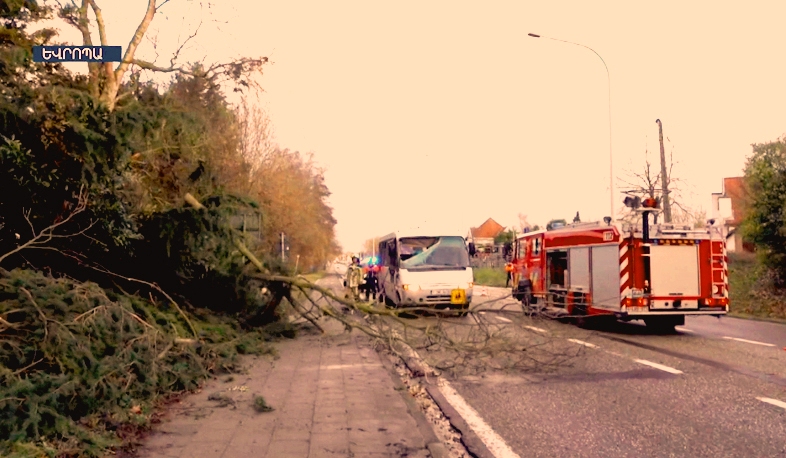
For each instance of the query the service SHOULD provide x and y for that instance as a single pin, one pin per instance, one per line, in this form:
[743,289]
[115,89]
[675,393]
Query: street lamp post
[608,78]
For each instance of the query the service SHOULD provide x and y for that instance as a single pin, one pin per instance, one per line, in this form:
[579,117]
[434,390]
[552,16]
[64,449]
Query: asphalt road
[761,331]
[630,392]
[715,388]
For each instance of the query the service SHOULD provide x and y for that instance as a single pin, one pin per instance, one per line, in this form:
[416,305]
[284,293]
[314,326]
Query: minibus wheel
[388,302]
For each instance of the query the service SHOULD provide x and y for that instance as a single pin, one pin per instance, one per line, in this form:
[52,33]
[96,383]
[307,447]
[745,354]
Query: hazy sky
[443,114]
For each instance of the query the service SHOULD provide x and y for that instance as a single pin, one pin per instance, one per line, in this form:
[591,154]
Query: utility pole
[282,247]
[664,177]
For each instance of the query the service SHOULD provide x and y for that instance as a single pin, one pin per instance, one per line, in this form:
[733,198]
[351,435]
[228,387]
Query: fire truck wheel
[526,306]
[603,322]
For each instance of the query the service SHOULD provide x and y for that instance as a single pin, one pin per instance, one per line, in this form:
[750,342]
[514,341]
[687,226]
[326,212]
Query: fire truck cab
[658,273]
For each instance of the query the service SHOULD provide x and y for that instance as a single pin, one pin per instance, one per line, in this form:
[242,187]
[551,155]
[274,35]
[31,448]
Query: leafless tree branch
[46,235]
[182,45]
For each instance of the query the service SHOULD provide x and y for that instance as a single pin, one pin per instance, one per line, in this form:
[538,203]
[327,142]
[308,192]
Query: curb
[469,439]
[433,444]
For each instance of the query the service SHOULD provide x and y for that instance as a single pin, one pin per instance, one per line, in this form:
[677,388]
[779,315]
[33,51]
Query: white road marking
[658,366]
[681,329]
[774,402]
[493,441]
[536,329]
[750,341]
[502,318]
[581,342]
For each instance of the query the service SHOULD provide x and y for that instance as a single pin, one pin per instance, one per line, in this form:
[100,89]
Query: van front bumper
[432,297]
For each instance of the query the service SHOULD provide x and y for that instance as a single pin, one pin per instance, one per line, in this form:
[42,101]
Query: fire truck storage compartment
[557,281]
[606,277]
[674,271]
[579,269]
[578,279]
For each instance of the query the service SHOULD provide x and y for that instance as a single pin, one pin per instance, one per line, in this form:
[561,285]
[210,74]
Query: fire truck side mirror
[607,220]
[711,222]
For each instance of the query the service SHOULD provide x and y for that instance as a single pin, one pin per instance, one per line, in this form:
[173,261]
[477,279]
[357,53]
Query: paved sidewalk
[332,395]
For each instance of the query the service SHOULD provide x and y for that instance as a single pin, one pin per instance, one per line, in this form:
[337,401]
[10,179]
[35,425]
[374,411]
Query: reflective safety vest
[354,276]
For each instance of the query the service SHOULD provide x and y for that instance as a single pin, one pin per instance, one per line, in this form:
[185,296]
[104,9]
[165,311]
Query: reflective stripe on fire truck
[725,271]
[625,267]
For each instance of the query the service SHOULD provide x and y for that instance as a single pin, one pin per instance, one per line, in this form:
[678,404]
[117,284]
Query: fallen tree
[466,347]
[82,367]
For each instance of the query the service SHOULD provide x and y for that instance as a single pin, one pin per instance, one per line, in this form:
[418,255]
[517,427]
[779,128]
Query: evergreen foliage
[78,363]
[765,224]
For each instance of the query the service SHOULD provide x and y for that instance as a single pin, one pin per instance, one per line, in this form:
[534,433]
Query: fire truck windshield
[433,253]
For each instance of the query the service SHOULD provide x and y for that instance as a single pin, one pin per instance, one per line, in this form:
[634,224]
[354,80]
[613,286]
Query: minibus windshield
[433,252]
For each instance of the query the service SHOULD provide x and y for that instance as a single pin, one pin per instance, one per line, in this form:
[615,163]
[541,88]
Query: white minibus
[424,271]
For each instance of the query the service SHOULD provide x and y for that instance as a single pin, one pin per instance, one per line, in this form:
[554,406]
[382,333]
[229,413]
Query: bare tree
[257,144]
[649,182]
[105,79]
[524,225]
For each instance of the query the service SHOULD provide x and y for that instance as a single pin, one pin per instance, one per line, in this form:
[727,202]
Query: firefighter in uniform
[522,291]
[354,279]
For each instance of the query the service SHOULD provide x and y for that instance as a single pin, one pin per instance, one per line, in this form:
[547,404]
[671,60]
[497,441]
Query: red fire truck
[655,272]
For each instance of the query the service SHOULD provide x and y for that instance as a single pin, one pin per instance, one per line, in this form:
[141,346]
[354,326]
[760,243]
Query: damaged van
[424,271]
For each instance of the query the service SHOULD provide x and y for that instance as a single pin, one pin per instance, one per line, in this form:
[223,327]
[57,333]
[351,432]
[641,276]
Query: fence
[492,260]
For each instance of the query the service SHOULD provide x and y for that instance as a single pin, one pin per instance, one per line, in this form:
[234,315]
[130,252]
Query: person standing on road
[354,279]
[509,271]
[370,285]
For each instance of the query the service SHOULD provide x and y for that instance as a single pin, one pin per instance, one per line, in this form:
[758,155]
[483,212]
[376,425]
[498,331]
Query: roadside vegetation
[752,293]
[761,278]
[490,276]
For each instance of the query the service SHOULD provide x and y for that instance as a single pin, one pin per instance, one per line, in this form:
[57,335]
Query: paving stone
[332,398]
[288,448]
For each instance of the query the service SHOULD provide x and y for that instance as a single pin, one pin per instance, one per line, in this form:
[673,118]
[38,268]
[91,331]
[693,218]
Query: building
[483,236]
[728,211]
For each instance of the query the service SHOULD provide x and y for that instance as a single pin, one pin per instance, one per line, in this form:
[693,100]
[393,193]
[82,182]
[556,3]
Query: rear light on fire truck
[713,302]
[636,302]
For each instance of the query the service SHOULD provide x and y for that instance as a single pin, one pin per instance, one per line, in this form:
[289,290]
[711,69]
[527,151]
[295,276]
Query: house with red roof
[483,236]
[728,209]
